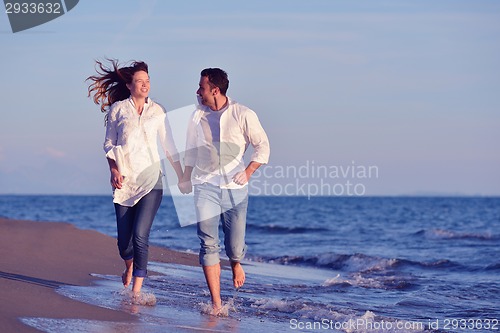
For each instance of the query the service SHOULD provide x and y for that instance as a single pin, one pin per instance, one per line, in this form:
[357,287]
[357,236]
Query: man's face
[206,93]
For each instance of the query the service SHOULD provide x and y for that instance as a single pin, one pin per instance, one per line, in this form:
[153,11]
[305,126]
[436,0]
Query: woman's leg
[146,210]
[127,273]
[124,222]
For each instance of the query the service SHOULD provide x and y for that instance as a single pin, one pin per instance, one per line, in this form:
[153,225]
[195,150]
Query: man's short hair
[217,78]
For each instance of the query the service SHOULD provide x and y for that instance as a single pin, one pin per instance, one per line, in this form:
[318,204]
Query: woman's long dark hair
[110,83]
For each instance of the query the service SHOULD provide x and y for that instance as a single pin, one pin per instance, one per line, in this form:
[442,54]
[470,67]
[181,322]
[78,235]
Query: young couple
[219,132]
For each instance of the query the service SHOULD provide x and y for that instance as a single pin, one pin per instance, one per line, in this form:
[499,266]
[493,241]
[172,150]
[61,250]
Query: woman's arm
[116,177]
[185,186]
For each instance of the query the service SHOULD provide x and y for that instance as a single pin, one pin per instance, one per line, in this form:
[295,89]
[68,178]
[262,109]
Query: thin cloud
[52,152]
[143,13]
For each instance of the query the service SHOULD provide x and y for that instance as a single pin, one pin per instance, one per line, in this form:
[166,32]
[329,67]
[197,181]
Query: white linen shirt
[239,128]
[132,142]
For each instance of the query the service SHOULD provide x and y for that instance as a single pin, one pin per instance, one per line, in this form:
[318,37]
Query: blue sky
[411,87]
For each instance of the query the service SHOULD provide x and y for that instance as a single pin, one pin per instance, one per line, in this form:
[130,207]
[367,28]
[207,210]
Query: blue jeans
[213,206]
[133,225]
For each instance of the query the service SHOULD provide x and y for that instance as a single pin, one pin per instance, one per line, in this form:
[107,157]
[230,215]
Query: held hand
[116,179]
[241,178]
[185,187]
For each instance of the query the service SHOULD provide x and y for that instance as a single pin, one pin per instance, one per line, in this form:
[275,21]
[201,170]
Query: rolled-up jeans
[133,225]
[213,206]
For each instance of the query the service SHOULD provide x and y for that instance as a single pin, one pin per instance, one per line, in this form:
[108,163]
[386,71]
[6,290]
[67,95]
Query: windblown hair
[217,78]
[110,83]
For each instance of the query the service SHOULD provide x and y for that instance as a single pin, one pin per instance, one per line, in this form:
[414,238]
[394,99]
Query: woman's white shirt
[132,142]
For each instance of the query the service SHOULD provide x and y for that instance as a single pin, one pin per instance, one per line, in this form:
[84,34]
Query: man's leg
[235,203]
[212,276]
[208,210]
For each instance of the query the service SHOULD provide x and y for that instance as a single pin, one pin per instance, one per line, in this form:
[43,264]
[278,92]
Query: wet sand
[37,257]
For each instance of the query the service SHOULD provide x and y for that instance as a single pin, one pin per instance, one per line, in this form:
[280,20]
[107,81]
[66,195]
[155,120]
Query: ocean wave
[359,263]
[280,229]
[346,262]
[493,267]
[360,270]
[314,316]
[436,264]
[388,282]
[450,234]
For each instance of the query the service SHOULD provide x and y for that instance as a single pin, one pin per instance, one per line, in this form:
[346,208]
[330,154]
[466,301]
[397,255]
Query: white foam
[278,305]
[366,263]
[207,308]
[52,325]
[290,274]
[369,323]
[333,281]
[356,279]
[349,321]
[142,298]
[450,234]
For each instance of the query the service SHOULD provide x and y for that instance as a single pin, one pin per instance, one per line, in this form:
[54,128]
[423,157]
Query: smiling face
[139,87]
[206,92]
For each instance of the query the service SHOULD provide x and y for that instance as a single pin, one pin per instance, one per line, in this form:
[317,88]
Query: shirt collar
[147,104]
[207,109]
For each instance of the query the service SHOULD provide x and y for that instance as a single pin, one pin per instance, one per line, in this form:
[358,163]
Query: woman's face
[139,87]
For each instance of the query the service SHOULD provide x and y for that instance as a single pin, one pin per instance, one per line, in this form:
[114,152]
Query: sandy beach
[38,257]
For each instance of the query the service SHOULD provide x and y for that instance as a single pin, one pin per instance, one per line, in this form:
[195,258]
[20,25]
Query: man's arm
[241,178]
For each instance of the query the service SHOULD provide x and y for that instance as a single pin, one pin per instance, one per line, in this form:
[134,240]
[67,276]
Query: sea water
[341,264]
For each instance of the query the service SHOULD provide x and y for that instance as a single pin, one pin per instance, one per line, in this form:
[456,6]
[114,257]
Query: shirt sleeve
[167,139]
[111,148]
[257,137]
[111,136]
[191,143]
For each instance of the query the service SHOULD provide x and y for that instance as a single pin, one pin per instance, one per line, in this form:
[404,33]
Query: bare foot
[238,275]
[216,310]
[127,277]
